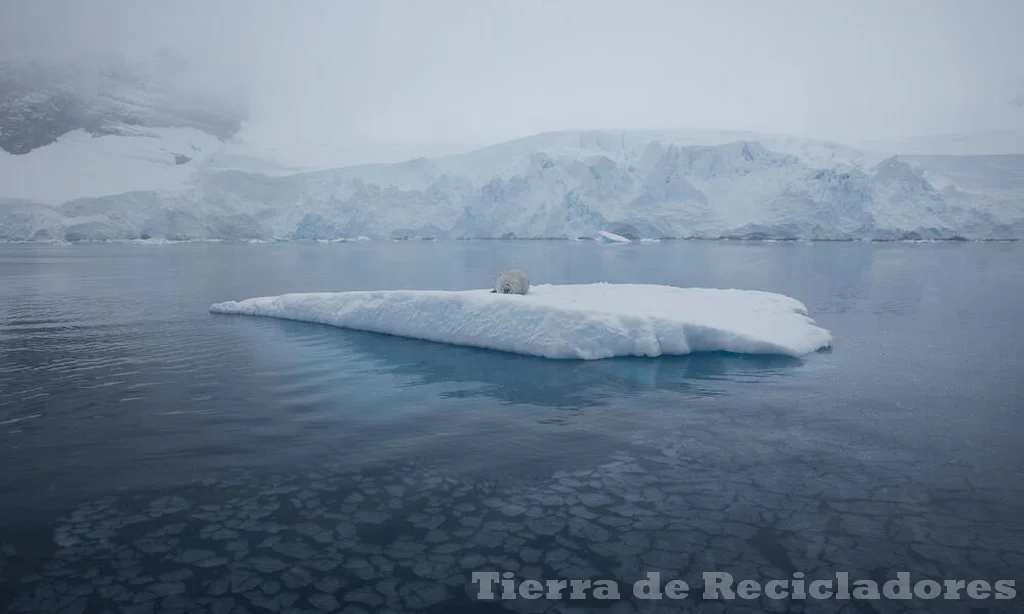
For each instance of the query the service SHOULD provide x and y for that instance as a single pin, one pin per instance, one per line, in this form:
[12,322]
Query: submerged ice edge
[587,321]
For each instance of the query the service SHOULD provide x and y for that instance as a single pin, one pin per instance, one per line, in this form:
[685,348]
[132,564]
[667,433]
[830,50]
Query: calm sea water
[157,458]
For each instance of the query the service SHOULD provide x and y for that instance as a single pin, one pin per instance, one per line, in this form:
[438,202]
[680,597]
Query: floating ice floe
[586,321]
[604,236]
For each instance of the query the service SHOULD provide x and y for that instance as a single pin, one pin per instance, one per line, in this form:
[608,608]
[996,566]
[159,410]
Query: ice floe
[582,321]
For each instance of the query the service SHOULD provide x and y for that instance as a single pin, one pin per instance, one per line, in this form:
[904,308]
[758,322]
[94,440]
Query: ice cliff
[574,184]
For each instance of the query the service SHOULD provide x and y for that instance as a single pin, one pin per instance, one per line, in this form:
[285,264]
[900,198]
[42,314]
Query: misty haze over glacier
[227,120]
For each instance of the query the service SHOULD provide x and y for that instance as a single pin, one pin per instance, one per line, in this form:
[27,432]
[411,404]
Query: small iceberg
[604,236]
[583,321]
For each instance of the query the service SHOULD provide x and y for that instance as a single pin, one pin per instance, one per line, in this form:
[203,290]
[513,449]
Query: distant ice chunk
[586,321]
[604,236]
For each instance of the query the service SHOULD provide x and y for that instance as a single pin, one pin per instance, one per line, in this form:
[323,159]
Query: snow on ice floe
[586,321]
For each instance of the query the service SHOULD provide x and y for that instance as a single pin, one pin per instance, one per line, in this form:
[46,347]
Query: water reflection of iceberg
[467,372]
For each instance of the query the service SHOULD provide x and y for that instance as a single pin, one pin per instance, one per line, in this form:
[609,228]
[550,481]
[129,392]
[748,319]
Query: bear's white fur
[512,282]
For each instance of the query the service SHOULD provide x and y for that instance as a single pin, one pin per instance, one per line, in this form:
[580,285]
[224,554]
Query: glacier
[636,185]
[573,321]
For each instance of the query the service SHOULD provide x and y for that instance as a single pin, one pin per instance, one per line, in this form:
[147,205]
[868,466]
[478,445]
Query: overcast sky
[474,70]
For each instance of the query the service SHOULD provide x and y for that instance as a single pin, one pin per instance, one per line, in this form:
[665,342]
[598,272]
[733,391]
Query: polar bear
[511,282]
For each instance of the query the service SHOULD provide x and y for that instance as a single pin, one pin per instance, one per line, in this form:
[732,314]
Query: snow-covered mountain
[43,100]
[571,184]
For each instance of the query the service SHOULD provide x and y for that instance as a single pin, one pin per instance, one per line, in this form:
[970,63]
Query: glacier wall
[558,185]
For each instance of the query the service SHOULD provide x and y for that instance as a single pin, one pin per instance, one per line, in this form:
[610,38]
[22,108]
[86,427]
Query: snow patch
[80,165]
